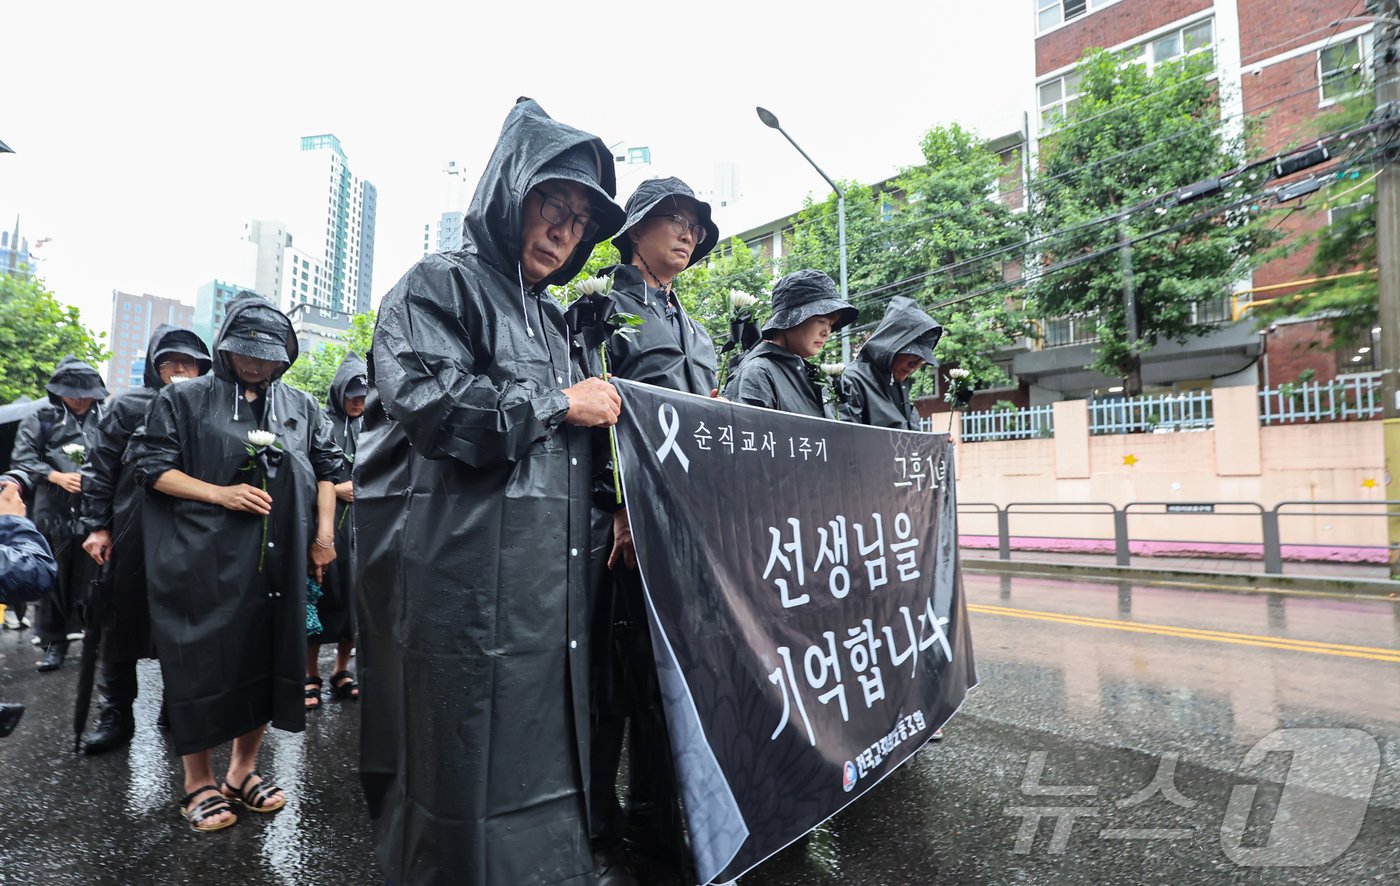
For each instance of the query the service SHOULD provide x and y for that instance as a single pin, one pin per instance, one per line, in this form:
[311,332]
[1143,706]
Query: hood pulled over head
[534,148]
[351,380]
[253,327]
[169,339]
[905,329]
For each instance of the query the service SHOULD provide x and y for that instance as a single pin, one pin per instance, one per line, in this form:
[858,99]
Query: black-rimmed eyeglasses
[557,212]
[680,224]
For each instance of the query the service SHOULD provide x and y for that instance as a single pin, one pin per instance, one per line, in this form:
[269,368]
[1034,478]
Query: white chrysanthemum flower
[74,450]
[739,300]
[594,286]
[261,438]
[959,374]
[833,369]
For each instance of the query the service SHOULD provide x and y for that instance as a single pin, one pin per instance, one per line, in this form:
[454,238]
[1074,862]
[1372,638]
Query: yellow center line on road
[1367,652]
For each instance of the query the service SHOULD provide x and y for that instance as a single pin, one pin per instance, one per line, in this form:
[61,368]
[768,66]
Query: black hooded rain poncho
[670,350]
[870,394]
[471,521]
[39,449]
[112,499]
[228,611]
[336,607]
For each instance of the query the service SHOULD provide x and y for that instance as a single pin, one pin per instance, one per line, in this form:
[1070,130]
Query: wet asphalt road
[1089,693]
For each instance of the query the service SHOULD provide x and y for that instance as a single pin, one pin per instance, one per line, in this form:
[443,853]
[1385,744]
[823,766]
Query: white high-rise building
[445,234]
[269,239]
[329,234]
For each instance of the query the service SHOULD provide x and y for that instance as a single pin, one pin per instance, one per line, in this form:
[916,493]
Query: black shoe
[53,658]
[115,727]
[610,867]
[9,718]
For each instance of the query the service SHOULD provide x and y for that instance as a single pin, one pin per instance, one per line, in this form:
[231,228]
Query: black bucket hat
[581,164]
[802,295]
[358,387]
[257,332]
[74,378]
[653,193]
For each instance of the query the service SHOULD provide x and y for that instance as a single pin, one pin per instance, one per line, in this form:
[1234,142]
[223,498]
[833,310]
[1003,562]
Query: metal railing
[1008,424]
[1345,398]
[1097,519]
[1187,411]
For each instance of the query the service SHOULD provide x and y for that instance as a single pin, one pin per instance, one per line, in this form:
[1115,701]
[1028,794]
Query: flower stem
[612,432]
[262,550]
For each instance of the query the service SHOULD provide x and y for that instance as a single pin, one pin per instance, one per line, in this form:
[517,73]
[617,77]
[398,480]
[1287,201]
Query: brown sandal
[207,808]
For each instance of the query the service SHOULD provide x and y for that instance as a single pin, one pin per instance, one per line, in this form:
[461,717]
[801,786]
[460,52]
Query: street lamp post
[771,121]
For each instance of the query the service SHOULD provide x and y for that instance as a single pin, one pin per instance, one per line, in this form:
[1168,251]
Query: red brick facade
[1108,26]
[1271,27]
[1285,94]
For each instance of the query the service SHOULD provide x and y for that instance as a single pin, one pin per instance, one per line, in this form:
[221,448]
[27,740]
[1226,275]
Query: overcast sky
[146,134]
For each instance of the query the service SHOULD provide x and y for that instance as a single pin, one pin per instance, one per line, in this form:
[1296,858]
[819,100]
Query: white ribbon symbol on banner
[670,426]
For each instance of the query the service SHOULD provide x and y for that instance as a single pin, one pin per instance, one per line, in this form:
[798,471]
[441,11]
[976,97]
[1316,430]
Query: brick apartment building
[1283,61]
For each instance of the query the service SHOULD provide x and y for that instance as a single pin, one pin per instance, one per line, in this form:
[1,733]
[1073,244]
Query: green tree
[313,372]
[1344,247]
[731,267]
[936,233]
[1132,136]
[958,239]
[36,332]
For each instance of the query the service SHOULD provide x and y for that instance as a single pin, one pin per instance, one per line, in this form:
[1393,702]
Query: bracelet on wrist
[325,544]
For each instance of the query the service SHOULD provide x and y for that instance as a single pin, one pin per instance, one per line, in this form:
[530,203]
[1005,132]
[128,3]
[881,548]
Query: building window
[1057,98]
[1340,70]
[1052,13]
[1194,38]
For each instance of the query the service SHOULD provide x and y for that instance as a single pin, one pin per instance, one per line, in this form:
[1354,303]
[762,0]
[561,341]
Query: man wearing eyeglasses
[472,486]
[667,231]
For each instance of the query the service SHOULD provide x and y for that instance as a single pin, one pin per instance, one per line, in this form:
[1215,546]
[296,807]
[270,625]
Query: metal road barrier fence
[1313,532]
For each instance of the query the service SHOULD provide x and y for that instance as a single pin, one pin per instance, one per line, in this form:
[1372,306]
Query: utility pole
[1132,381]
[1386,68]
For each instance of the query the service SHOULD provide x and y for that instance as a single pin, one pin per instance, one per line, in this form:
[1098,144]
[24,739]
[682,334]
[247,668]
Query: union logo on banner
[848,780]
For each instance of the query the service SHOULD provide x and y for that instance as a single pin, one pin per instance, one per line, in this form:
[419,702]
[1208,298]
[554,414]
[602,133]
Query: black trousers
[58,614]
[627,702]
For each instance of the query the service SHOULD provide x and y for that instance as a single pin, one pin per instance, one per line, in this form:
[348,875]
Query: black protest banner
[806,608]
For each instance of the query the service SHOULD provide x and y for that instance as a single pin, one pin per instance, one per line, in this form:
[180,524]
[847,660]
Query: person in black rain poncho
[667,231]
[472,499]
[112,518]
[240,506]
[345,408]
[875,386]
[50,448]
[776,374]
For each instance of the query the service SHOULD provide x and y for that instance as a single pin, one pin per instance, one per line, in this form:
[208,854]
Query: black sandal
[259,797]
[313,690]
[206,809]
[344,687]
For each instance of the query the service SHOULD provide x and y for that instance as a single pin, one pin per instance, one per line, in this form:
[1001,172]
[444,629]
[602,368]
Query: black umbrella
[95,612]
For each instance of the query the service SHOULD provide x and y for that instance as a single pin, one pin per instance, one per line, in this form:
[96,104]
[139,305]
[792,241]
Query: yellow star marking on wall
[1369,483]
[1130,460]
